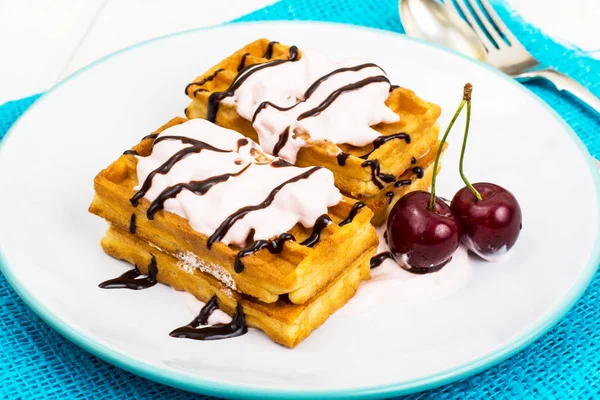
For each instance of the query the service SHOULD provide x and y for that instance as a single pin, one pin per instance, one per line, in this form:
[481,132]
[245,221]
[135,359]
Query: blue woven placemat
[36,362]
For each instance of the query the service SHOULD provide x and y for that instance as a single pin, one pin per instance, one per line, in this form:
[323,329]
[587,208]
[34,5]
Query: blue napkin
[36,362]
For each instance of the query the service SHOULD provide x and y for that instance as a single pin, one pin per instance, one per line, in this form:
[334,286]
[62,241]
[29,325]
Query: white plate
[409,340]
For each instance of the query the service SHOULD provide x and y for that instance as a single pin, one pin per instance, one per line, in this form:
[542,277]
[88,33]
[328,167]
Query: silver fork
[513,59]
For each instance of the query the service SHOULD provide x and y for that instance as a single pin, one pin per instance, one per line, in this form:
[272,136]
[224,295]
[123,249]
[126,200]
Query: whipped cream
[281,126]
[301,201]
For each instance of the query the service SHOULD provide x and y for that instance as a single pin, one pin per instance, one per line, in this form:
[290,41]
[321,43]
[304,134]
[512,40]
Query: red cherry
[422,240]
[491,226]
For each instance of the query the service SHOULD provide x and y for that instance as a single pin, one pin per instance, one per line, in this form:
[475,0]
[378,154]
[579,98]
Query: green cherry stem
[439,152]
[467,98]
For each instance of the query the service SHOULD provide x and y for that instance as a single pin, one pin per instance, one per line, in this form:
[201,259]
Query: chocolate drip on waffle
[381,140]
[242,63]
[322,222]
[222,230]
[131,279]
[419,172]
[357,206]
[132,152]
[269,53]
[376,174]
[237,326]
[402,182]
[341,158]
[390,196]
[274,246]
[203,81]
[132,226]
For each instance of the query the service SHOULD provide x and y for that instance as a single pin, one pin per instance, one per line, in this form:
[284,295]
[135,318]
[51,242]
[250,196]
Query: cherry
[422,231]
[422,240]
[489,215]
[491,225]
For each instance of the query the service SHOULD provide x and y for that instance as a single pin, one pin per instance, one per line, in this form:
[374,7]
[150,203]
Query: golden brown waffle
[417,177]
[298,271]
[417,118]
[284,322]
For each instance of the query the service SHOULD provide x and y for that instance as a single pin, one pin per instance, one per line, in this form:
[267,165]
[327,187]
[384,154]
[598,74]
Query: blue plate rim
[220,389]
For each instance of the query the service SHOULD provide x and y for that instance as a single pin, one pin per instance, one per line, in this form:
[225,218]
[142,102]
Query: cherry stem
[467,97]
[439,152]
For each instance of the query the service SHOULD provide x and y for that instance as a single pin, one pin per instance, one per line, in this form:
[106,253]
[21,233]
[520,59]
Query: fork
[512,58]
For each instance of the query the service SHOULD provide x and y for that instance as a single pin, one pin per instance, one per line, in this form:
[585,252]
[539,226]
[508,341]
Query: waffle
[284,322]
[354,178]
[298,272]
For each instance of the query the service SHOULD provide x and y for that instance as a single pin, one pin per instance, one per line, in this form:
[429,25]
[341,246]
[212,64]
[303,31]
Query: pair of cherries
[423,232]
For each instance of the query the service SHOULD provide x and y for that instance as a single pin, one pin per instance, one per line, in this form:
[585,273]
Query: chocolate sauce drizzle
[242,62]
[222,230]
[336,93]
[377,260]
[132,226]
[322,222]
[199,188]
[283,138]
[293,53]
[150,136]
[215,98]
[241,143]
[280,163]
[203,81]
[274,246]
[311,89]
[341,158]
[381,140]
[131,280]
[197,147]
[419,172]
[390,196]
[376,173]
[269,53]
[393,87]
[402,182]
[132,152]
[237,326]
[413,160]
[357,206]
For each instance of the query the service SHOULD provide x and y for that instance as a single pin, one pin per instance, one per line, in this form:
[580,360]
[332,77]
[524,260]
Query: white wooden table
[43,41]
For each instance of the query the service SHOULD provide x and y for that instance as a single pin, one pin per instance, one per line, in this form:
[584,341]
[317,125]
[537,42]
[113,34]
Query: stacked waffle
[217,216]
[379,140]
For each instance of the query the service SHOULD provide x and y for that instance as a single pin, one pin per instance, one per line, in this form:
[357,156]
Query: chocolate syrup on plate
[237,326]
[131,279]
[377,260]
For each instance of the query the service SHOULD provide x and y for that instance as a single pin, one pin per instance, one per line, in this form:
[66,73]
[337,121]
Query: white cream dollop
[301,202]
[347,120]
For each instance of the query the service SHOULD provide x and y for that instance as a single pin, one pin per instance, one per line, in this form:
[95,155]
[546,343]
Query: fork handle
[563,82]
